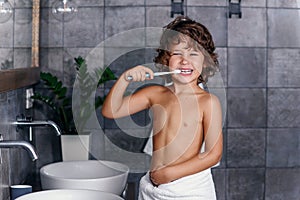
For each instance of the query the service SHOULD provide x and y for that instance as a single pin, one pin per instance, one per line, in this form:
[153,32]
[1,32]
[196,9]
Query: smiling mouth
[186,71]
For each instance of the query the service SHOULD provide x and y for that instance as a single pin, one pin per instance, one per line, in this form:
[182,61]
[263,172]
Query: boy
[184,115]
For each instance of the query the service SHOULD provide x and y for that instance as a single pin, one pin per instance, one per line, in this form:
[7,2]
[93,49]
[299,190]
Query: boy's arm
[116,105]
[212,124]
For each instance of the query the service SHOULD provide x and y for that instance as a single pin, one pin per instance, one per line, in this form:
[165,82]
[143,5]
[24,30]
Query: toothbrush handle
[129,78]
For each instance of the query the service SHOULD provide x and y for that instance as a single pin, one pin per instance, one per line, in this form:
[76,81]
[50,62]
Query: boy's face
[188,60]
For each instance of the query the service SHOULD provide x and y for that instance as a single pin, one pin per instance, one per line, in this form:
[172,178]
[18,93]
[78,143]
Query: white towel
[199,186]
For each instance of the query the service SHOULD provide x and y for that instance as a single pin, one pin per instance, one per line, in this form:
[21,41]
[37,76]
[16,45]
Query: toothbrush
[177,71]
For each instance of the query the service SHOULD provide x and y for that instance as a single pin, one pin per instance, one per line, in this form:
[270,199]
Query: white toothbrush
[177,71]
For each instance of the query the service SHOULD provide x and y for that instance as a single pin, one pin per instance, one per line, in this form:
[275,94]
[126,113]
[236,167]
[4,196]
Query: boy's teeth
[186,71]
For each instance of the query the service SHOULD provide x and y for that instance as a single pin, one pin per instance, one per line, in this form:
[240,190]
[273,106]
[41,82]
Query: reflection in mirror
[64,10]
[19,45]
[5,11]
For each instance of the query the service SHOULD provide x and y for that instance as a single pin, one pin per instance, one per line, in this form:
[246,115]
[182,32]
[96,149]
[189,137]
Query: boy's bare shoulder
[155,88]
[208,98]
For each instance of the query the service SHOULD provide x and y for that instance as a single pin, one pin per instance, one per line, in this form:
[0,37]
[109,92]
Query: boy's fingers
[139,73]
[150,72]
[142,75]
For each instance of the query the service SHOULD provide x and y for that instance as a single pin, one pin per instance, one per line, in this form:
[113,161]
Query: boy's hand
[138,73]
[160,176]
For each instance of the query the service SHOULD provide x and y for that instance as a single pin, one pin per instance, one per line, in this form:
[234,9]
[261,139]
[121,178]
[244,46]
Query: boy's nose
[184,60]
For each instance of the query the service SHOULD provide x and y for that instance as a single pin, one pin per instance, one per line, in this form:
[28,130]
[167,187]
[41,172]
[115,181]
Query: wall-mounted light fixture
[177,7]
[64,10]
[235,8]
[6,11]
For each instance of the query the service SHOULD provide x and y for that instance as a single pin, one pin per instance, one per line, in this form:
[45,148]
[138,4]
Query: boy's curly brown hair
[185,29]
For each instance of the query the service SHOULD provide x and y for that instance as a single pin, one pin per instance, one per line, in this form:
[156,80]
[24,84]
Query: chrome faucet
[27,121]
[19,144]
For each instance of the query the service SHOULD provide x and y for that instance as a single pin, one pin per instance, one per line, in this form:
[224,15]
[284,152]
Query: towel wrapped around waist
[199,186]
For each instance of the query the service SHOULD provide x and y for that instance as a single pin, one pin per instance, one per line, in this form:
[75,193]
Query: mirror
[19,59]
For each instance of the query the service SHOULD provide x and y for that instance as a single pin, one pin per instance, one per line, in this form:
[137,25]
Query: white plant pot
[75,147]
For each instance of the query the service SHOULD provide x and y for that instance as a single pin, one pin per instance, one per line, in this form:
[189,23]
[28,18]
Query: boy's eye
[176,53]
[194,54]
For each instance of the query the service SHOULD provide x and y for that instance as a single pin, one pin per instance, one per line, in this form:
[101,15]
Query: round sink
[69,195]
[106,176]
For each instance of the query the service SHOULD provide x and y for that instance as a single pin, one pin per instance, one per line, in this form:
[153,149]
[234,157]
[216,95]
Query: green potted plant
[59,100]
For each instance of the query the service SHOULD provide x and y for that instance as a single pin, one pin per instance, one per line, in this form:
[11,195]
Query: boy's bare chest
[182,106]
[178,114]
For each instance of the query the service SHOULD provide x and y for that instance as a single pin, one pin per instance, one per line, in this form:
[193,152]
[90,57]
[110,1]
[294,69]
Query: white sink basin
[104,176]
[69,195]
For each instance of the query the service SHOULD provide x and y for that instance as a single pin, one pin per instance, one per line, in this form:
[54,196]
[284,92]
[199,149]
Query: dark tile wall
[259,59]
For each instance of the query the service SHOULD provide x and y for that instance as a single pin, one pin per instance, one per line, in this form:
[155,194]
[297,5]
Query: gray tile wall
[15,40]
[259,57]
